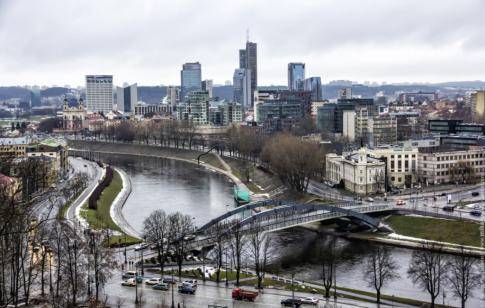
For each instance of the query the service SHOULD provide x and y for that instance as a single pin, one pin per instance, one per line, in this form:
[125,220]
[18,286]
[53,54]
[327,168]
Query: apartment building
[444,165]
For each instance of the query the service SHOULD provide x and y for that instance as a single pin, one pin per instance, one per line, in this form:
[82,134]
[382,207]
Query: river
[180,186]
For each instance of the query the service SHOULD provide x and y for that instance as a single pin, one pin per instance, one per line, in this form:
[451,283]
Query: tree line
[294,159]
[45,259]
[430,268]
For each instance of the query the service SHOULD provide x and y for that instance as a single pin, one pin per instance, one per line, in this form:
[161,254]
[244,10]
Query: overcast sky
[48,42]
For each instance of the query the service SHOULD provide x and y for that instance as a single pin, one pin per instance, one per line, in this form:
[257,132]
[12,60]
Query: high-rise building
[248,59]
[207,85]
[314,85]
[126,98]
[242,87]
[296,75]
[190,78]
[173,95]
[478,103]
[99,93]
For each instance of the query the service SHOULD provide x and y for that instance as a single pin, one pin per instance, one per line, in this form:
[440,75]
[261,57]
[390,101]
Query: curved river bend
[180,186]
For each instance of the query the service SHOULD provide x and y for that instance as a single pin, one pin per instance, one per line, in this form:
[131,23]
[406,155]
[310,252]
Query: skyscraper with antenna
[248,59]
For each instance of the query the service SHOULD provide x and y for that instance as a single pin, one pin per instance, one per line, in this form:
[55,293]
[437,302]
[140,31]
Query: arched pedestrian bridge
[273,215]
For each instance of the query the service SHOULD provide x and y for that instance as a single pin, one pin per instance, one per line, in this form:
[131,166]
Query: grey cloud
[55,41]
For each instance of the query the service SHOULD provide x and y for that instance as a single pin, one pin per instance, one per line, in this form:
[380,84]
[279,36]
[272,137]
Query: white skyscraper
[99,93]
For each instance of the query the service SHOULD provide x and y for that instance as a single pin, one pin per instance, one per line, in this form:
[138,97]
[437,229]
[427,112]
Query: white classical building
[359,172]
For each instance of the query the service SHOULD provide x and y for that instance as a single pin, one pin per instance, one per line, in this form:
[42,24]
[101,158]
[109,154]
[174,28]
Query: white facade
[435,165]
[361,174]
[99,93]
[402,164]
[348,130]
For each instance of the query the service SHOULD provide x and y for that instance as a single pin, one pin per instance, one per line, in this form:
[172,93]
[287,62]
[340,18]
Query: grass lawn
[451,231]
[100,218]
[119,241]
[212,160]
[287,286]
[63,209]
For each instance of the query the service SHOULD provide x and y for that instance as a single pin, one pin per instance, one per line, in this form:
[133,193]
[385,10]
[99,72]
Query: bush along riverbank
[97,213]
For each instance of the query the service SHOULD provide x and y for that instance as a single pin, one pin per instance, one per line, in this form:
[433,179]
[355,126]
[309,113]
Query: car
[448,208]
[476,213]
[369,199]
[169,280]
[129,282]
[153,281]
[161,286]
[141,246]
[186,288]
[291,302]
[400,202]
[475,193]
[129,274]
[310,300]
[443,194]
[193,282]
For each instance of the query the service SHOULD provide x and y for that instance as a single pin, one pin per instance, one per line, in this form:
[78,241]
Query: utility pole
[173,284]
[292,290]
[482,236]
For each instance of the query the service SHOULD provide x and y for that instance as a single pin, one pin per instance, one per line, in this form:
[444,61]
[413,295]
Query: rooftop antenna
[247,35]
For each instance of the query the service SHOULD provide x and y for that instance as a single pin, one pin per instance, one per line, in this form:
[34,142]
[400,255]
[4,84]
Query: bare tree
[180,227]
[428,269]
[218,232]
[380,268]
[156,229]
[293,159]
[462,275]
[328,256]
[259,250]
[236,243]
[101,261]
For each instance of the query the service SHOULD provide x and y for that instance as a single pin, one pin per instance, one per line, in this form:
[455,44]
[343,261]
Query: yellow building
[53,149]
[478,102]
[14,147]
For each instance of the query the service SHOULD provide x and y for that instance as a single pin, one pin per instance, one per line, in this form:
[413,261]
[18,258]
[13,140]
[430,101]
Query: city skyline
[431,42]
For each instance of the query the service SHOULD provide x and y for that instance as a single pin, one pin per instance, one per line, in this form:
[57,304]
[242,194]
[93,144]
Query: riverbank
[101,217]
[261,183]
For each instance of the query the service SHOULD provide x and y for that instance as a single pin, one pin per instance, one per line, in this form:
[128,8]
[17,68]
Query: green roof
[52,142]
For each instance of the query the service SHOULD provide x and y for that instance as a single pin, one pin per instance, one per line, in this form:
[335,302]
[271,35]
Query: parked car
[369,199]
[192,282]
[448,208]
[186,288]
[170,280]
[141,246]
[162,286]
[400,202]
[290,302]
[475,193]
[153,281]
[128,274]
[476,213]
[129,282]
[310,300]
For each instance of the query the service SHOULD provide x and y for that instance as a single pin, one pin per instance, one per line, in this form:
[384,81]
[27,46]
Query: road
[208,293]
[94,173]
[422,201]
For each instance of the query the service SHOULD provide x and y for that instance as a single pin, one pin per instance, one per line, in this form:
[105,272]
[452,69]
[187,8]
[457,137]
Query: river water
[180,186]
